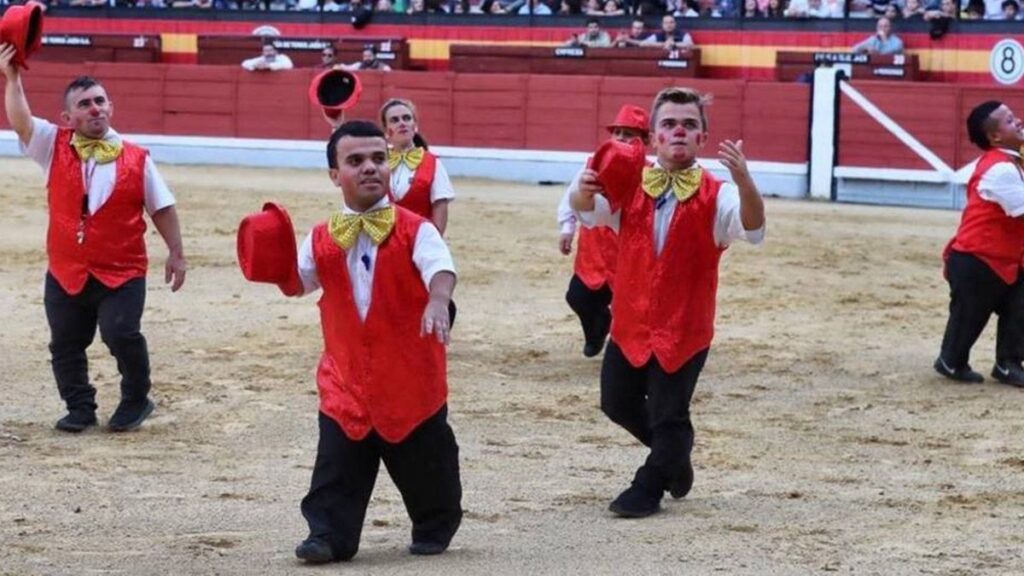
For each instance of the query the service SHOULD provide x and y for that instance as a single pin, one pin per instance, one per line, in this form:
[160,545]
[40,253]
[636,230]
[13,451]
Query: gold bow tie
[345,228]
[685,183]
[102,151]
[410,158]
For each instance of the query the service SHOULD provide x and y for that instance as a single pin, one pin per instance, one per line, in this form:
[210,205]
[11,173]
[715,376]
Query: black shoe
[962,374]
[636,502]
[76,421]
[1009,373]
[591,349]
[681,486]
[314,551]
[130,415]
[427,548]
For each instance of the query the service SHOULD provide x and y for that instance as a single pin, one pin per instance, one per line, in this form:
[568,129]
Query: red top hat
[22,26]
[619,168]
[633,117]
[335,91]
[266,249]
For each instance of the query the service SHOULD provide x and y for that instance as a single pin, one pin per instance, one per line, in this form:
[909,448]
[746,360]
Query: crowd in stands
[794,9]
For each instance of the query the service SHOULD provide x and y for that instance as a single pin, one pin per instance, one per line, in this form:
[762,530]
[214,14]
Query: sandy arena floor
[825,442]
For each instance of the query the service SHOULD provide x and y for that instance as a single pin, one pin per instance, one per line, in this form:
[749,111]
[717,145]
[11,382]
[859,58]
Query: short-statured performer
[674,221]
[98,187]
[983,261]
[590,288]
[387,278]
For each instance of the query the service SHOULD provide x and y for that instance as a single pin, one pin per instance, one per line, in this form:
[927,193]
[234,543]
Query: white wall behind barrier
[526,166]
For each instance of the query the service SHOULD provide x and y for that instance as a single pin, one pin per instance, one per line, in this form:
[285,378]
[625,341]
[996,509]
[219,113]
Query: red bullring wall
[539,112]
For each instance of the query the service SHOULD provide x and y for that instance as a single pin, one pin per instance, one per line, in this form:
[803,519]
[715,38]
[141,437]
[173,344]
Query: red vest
[417,198]
[114,250]
[665,305]
[378,374]
[986,231]
[596,252]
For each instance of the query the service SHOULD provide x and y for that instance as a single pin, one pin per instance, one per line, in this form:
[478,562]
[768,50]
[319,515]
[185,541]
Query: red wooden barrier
[541,112]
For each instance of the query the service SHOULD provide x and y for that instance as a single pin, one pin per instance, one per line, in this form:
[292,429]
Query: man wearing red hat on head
[674,221]
[98,188]
[590,289]
[387,278]
[983,260]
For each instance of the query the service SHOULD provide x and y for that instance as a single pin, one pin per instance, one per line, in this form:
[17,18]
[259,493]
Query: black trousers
[424,468]
[73,321]
[592,308]
[975,293]
[653,406]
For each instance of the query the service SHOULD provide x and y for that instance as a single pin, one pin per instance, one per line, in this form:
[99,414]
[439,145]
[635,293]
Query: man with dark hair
[674,221]
[269,60]
[98,188]
[368,61]
[635,36]
[983,260]
[670,37]
[382,377]
[593,36]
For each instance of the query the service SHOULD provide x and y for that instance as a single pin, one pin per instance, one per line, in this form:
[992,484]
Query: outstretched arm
[15,103]
[751,204]
[166,222]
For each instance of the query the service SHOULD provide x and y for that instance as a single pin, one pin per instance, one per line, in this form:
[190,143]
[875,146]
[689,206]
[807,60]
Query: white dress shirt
[441,189]
[430,255]
[1003,184]
[98,178]
[728,224]
[280,62]
[566,215]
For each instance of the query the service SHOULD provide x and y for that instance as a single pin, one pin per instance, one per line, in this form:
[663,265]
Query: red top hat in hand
[633,117]
[335,91]
[22,27]
[619,168]
[266,249]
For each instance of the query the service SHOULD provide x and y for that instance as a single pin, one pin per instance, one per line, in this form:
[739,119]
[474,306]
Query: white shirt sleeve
[251,63]
[40,146]
[728,224]
[157,195]
[566,217]
[430,254]
[281,62]
[307,267]
[442,188]
[601,215]
[1003,184]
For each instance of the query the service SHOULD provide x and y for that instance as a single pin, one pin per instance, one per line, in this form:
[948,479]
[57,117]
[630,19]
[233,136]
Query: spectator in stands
[975,10]
[492,7]
[750,9]
[535,7]
[814,9]
[945,11]
[882,42]
[892,12]
[1011,10]
[670,37]
[593,36]
[368,62]
[681,8]
[634,37]
[912,10]
[271,59]
[878,7]
[415,7]
[776,9]
[328,57]
[570,7]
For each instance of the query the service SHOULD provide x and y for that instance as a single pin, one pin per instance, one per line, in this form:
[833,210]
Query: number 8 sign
[1007,61]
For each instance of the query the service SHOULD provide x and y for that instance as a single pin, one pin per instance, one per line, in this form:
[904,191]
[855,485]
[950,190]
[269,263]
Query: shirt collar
[1010,152]
[111,136]
[380,204]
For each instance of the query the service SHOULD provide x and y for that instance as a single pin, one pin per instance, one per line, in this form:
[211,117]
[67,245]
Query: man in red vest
[983,261]
[387,278]
[98,187]
[673,228]
[590,289]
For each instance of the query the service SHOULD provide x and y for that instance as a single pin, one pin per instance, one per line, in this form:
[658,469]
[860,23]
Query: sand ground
[825,442]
